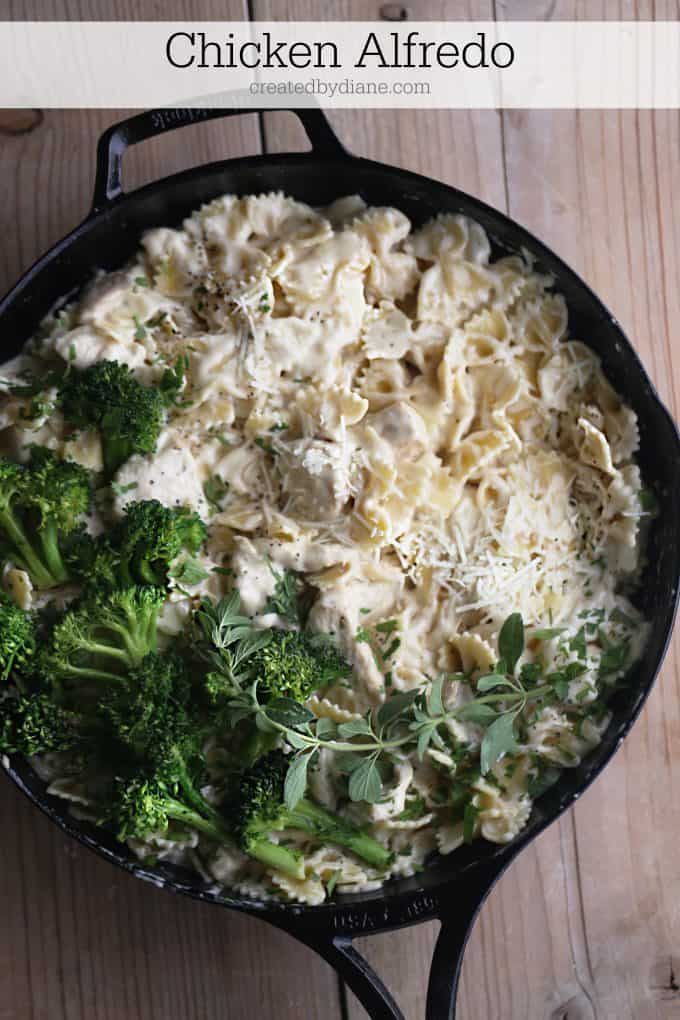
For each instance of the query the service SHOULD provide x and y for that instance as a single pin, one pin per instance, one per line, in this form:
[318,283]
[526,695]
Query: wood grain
[608,204]
[586,924]
[83,941]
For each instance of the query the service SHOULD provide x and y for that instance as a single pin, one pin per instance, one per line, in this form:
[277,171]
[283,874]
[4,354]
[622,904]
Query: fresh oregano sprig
[407,721]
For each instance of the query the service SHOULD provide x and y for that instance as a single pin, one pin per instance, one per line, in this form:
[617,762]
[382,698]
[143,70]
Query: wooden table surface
[586,924]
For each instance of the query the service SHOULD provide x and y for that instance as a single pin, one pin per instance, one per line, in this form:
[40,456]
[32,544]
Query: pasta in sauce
[404,421]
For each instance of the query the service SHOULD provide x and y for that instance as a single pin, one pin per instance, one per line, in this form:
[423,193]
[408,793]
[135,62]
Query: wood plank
[47,162]
[84,941]
[599,188]
[81,940]
[462,147]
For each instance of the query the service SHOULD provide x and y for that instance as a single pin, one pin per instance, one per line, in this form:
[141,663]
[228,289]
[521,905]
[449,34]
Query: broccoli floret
[107,397]
[105,636]
[34,724]
[144,806]
[259,809]
[153,718]
[148,540]
[149,714]
[294,665]
[291,665]
[41,509]
[17,637]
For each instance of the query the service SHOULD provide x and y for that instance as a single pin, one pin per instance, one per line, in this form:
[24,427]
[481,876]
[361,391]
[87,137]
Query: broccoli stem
[26,557]
[194,798]
[192,819]
[278,857]
[139,638]
[49,540]
[115,451]
[89,673]
[329,828]
[148,574]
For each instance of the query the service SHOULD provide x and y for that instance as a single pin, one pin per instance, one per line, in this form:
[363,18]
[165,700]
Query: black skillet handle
[113,143]
[457,909]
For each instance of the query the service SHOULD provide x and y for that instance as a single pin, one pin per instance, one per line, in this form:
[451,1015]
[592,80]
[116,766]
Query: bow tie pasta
[395,422]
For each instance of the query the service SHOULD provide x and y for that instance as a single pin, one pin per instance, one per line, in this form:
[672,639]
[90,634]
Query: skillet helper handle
[108,185]
[457,909]
[457,914]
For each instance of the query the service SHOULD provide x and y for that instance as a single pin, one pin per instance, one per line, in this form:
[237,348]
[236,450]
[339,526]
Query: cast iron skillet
[452,888]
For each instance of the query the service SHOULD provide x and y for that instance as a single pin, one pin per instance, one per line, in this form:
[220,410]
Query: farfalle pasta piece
[466,653]
[392,272]
[328,275]
[500,817]
[594,448]
[330,413]
[552,736]
[453,235]
[387,332]
[451,290]
[477,451]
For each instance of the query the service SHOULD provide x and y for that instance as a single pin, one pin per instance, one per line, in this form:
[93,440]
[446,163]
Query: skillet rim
[402,901]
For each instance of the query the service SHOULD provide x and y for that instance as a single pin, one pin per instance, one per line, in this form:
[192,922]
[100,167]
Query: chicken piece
[317,478]
[400,425]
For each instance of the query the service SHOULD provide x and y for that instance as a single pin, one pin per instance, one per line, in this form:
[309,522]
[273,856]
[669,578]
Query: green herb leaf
[354,728]
[490,681]
[391,649]
[287,598]
[326,728]
[120,490]
[470,817]
[214,490]
[295,782]
[189,572]
[264,445]
[415,807]
[288,713]
[614,658]
[140,329]
[172,381]
[511,641]
[538,784]
[365,782]
[142,281]
[498,740]
[394,707]
[477,713]
[546,633]
[424,738]
[348,761]
[295,740]
[578,643]
[331,883]
[560,683]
